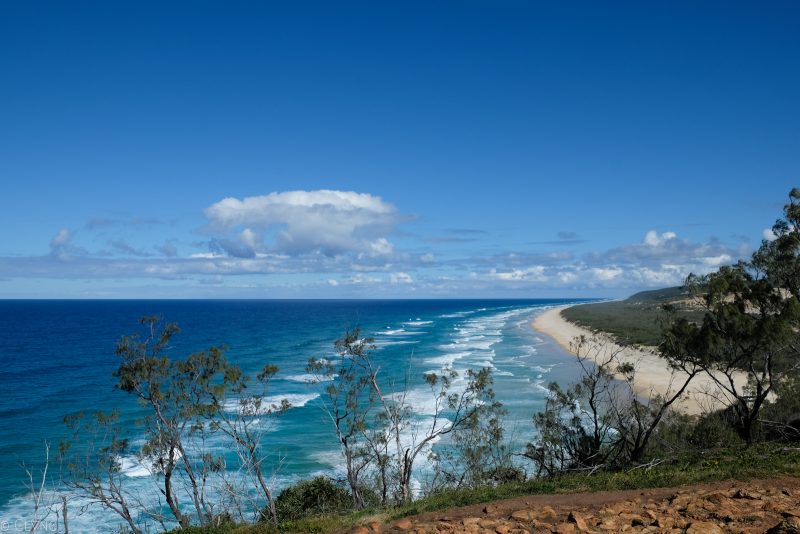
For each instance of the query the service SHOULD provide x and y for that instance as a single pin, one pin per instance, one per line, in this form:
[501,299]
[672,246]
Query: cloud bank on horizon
[324,243]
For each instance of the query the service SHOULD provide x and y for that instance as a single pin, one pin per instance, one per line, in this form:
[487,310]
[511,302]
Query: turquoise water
[58,357]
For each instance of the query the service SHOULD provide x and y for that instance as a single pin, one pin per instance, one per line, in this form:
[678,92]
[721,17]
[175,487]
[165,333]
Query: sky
[389,149]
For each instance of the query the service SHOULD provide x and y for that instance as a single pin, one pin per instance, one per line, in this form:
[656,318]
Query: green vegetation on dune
[636,320]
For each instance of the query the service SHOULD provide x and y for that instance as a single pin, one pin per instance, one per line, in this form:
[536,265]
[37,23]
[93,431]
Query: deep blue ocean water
[57,358]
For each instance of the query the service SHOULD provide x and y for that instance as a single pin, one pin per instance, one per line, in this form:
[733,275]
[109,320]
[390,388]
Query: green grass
[760,461]
[636,320]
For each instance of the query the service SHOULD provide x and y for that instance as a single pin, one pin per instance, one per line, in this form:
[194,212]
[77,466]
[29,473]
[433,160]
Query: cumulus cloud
[62,238]
[342,240]
[331,222]
[607,273]
[768,234]
[660,259]
[534,273]
[400,278]
[653,239]
[62,247]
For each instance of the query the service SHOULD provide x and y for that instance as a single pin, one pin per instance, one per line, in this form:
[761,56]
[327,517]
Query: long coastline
[653,376]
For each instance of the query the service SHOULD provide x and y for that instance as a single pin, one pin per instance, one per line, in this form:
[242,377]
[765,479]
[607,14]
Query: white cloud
[380,247]
[768,234]
[62,238]
[716,261]
[332,222]
[566,277]
[654,240]
[533,273]
[62,247]
[400,278]
[606,274]
[361,279]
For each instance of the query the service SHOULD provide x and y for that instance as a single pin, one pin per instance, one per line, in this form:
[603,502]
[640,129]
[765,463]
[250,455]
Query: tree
[350,400]
[752,314]
[92,458]
[452,411]
[376,429]
[575,429]
[601,421]
[244,425]
[478,454]
[186,402]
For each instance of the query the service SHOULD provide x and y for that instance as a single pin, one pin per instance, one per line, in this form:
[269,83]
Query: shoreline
[653,376]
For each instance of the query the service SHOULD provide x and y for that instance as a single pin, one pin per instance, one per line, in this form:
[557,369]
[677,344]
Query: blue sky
[375,149]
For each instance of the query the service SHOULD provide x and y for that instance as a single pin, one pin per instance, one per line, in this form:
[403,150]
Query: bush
[781,417]
[715,430]
[318,496]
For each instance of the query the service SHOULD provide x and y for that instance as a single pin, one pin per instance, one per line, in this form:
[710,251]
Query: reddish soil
[758,506]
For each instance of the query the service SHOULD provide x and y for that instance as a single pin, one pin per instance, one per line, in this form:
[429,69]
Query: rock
[565,528]
[404,524]
[360,530]
[546,513]
[704,527]
[609,525]
[524,515]
[790,525]
[634,519]
[746,494]
[502,529]
[664,523]
[376,527]
[579,520]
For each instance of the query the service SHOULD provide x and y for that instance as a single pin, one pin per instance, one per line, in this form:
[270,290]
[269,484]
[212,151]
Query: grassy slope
[760,461]
[635,320]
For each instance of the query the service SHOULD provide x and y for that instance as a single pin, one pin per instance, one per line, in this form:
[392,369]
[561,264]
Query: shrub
[317,496]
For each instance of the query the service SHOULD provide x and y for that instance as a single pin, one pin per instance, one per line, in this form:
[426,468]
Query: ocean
[57,359]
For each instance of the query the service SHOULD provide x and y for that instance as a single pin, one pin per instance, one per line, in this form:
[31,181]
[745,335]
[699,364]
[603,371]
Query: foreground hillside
[771,506]
[736,489]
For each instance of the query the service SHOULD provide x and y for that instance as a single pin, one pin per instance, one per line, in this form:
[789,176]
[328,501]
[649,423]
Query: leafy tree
[245,426]
[350,401]
[601,421]
[478,454]
[452,411]
[750,325]
[92,459]
[377,431]
[186,402]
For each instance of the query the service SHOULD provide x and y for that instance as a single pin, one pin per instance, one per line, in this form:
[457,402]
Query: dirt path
[760,506]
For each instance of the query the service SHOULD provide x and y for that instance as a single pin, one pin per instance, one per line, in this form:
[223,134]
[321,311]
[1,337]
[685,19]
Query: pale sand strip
[653,375]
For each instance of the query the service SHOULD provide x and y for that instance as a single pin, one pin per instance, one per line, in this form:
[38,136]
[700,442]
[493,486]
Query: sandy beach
[653,374]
